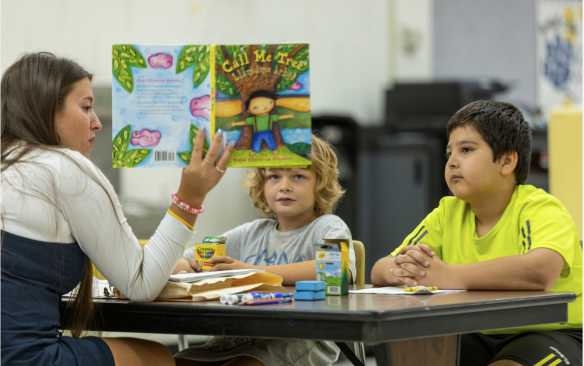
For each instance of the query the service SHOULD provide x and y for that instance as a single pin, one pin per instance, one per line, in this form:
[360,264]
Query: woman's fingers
[197,154]
[222,163]
[214,148]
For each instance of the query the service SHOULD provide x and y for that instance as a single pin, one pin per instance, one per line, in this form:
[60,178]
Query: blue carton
[310,285]
[309,295]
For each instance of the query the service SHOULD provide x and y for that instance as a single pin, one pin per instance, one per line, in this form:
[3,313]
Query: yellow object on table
[565,159]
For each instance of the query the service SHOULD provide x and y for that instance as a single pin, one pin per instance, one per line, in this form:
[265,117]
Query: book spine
[213,88]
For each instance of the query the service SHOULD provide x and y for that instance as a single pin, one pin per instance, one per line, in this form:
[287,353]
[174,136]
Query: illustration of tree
[197,55]
[121,157]
[124,57]
[186,155]
[283,63]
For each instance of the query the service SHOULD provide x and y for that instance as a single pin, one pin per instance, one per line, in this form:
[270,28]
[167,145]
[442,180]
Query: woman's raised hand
[202,174]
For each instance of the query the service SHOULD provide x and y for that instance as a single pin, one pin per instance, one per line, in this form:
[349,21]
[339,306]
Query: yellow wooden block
[565,159]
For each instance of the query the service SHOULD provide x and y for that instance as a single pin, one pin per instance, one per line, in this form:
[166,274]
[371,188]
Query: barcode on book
[164,155]
[334,290]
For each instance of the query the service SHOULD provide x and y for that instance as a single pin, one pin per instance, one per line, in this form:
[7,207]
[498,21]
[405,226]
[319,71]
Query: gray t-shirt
[259,242]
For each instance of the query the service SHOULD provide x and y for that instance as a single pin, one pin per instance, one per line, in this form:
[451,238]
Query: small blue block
[308,295]
[310,285]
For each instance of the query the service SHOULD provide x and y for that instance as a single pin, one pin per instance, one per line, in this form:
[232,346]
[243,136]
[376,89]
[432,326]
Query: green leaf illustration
[121,142]
[135,157]
[124,57]
[197,56]
[185,156]
[302,59]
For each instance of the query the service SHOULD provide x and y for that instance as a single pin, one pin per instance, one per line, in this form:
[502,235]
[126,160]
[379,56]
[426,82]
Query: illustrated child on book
[260,104]
[298,204]
[496,234]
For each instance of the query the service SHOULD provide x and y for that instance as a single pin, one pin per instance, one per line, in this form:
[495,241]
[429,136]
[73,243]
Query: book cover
[261,99]
[160,100]
[162,95]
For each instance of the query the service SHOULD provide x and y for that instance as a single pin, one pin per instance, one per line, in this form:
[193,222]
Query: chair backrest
[359,262]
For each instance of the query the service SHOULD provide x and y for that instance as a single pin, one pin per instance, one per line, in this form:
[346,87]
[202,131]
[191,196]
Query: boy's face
[290,192]
[260,106]
[470,171]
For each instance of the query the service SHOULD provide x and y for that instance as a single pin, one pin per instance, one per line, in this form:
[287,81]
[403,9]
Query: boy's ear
[509,162]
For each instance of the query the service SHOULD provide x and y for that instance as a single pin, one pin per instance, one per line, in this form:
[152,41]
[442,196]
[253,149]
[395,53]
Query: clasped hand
[418,265]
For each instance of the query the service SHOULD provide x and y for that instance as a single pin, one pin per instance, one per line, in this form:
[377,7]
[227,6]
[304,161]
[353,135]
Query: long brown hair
[33,90]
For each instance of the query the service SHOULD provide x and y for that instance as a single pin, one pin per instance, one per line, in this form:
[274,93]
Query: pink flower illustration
[163,60]
[145,138]
[201,107]
[295,86]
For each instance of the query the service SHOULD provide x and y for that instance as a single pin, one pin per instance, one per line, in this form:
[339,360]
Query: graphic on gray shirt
[259,242]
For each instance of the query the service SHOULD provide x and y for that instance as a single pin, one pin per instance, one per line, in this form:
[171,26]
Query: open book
[194,277]
[163,95]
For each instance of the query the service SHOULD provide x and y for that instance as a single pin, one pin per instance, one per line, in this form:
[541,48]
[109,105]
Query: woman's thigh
[139,352]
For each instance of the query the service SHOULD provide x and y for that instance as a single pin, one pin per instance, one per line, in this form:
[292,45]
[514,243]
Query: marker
[268,301]
[235,298]
[414,289]
[263,296]
[225,298]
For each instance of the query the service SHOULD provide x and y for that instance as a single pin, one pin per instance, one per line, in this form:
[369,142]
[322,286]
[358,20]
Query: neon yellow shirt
[533,219]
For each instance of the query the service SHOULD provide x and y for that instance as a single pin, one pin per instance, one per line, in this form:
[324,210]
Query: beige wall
[352,60]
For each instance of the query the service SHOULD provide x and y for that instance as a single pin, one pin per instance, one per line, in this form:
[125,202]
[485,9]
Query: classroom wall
[487,38]
[352,62]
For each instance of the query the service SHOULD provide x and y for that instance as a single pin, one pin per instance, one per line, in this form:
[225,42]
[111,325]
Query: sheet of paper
[399,290]
[97,289]
[193,277]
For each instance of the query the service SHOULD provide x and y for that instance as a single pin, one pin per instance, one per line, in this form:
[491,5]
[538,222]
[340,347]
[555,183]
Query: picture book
[262,102]
[258,95]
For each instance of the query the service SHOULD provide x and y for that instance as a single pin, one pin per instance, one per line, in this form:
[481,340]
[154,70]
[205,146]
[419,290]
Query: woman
[60,214]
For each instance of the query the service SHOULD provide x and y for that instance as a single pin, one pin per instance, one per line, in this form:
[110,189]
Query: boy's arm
[238,123]
[539,269]
[290,273]
[183,265]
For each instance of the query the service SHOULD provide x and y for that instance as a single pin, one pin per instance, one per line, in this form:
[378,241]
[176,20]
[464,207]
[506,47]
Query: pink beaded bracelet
[183,206]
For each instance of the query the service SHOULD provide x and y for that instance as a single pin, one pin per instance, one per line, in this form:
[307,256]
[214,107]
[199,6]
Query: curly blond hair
[328,191]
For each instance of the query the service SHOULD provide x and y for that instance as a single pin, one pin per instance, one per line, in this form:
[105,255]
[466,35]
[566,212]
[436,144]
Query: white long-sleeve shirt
[50,199]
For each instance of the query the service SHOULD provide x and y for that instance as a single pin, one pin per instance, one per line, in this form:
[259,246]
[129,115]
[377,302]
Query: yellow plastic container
[565,159]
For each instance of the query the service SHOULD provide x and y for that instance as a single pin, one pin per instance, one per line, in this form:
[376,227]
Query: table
[404,330]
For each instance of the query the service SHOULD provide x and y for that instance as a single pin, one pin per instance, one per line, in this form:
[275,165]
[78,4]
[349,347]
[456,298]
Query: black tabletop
[364,317]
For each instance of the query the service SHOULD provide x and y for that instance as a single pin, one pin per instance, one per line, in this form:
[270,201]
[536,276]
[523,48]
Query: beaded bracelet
[183,206]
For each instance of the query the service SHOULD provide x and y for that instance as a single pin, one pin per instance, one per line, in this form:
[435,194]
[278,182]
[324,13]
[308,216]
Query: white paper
[194,277]
[97,289]
[399,290]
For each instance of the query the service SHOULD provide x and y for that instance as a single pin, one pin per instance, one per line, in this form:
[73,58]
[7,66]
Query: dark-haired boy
[259,105]
[496,234]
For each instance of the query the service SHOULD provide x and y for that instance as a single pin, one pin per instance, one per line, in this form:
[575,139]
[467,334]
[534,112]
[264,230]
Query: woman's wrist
[193,200]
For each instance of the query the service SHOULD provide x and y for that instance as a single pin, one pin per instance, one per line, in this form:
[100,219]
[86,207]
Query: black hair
[503,128]
[259,94]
